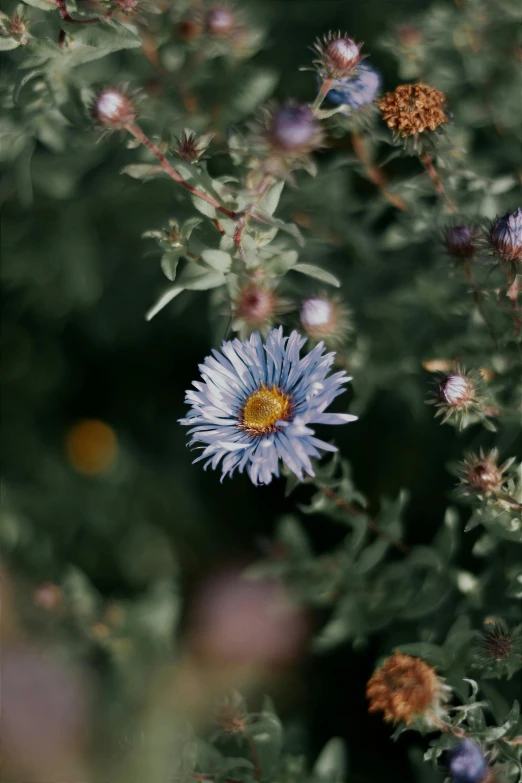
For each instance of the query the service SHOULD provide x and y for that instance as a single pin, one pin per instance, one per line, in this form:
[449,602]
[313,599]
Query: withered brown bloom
[405,688]
[413,108]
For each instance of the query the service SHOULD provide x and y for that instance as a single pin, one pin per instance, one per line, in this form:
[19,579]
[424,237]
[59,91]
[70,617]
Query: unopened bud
[456,390]
[339,55]
[113,109]
[294,128]
[460,242]
[506,236]
[325,319]
[255,304]
[220,21]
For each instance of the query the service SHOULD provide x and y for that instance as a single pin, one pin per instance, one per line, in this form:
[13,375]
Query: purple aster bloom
[294,127]
[506,235]
[357,90]
[256,402]
[467,763]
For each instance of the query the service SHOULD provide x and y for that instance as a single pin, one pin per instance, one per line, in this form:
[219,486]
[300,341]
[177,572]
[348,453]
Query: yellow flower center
[264,408]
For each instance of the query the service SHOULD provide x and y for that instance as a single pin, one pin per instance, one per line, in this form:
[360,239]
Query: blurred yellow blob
[91,446]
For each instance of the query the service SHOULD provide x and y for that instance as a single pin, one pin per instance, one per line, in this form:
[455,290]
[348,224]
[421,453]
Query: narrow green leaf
[318,273]
[164,299]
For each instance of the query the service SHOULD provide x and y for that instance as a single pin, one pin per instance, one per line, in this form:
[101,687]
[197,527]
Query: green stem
[321,95]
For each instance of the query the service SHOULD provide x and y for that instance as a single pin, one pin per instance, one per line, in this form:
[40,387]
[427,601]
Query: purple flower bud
[467,763]
[294,128]
[220,21]
[460,242]
[506,236]
[357,90]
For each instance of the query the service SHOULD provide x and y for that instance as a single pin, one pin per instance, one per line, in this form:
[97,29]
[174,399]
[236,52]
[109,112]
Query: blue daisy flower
[357,90]
[256,402]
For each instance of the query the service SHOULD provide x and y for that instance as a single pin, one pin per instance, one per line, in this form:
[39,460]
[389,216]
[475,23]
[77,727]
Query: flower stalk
[142,137]
[427,161]
[375,174]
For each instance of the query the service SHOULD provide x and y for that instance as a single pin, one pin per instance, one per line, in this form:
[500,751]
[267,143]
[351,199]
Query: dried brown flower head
[413,108]
[405,688]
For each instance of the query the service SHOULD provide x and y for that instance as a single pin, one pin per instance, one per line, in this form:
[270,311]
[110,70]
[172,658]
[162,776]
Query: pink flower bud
[113,109]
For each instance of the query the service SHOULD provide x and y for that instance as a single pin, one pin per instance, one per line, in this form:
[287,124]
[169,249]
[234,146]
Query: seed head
[339,55]
[466,763]
[113,109]
[406,689]
[480,474]
[413,108]
[460,242]
[505,236]
[294,129]
[220,21]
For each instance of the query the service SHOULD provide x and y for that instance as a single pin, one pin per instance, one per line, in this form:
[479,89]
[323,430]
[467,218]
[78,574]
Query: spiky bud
[293,128]
[113,109]
[339,55]
[460,242]
[192,147]
[506,236]
[255,304]
[220,21]
[480,474]
[413,108]
[357,90]
[407,689]
[230,714]
[325,318]
[466,763]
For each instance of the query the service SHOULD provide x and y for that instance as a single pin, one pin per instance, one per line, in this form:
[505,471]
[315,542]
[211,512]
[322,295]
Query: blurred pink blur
[236,620]
[44,716]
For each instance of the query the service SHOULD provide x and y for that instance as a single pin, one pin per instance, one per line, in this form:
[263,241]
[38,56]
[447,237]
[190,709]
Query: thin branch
[372,525]
[477,296]
[512,295]
[321,95]
[375,174]
[427,162]
[137,132]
